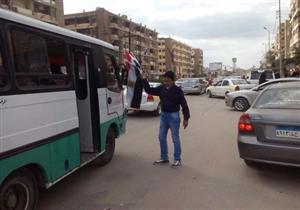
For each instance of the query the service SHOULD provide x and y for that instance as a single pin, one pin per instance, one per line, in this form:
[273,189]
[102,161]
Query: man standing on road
[171,98]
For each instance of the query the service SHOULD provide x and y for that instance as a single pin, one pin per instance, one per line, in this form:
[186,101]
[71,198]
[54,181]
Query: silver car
[194,86]
[242,100]
[269,131]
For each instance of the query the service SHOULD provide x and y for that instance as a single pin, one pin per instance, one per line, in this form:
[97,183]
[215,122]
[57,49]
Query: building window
[82,20]
[41,8]
[70,21]
[40,61]
[112,74]
[3,75]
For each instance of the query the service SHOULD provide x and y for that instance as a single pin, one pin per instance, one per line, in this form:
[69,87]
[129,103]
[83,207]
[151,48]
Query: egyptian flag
[134,81]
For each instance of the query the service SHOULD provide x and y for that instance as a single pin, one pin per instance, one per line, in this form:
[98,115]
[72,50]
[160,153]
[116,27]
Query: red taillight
[237,88]
[245,124]
[150,98]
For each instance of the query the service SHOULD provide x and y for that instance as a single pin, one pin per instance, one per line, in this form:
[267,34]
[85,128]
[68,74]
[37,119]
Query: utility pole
[280,43]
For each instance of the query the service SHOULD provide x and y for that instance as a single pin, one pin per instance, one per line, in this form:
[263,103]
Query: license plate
[288,132]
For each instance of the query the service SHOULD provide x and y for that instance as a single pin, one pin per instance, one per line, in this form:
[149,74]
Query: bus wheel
[107,156]
[19,192]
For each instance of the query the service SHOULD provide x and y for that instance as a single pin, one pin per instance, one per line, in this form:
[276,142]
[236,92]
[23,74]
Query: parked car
[269,131]
[242,100]
[149,103]
[180,81]
[194,85]
[226,86]
[254,75]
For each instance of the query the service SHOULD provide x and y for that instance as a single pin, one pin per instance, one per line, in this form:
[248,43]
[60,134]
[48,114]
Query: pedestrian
[262,78]
[296,73]
[171,98]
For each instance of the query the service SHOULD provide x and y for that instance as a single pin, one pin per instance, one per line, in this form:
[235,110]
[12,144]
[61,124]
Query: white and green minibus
[61,106]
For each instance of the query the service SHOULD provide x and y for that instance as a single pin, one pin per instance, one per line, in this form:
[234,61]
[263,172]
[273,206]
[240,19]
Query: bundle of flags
[134,81]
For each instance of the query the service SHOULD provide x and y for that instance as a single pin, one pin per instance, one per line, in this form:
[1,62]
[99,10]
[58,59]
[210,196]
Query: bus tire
[19,192]
[108,155]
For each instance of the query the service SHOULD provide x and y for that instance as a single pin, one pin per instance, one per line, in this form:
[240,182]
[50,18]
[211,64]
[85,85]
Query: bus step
[88,157]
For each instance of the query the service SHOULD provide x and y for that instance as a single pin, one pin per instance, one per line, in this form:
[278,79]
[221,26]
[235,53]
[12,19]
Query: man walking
[171,98]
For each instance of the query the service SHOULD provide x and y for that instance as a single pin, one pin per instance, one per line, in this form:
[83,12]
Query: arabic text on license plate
[288,133]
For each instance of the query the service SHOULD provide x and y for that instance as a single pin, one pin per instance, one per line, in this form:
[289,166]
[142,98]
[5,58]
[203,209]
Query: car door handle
[109,100]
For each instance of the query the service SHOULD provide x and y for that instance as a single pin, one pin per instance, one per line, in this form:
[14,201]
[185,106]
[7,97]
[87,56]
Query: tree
[271,60]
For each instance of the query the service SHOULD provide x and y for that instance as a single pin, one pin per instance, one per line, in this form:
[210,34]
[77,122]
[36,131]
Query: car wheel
[241,104]
[158,110]
[107,156]
[209,94]
[19,192]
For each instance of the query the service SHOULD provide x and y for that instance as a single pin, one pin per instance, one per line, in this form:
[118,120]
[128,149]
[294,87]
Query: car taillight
[150,98]
[237,88]
[245,124]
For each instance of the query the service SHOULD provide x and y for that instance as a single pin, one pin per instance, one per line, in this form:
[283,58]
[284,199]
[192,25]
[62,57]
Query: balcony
[22,10]
[114,25]
[84,25]
[114,37]
[45,18]
[51,3]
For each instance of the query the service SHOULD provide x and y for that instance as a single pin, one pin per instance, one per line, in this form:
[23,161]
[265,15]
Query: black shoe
[158,162]
[176,164]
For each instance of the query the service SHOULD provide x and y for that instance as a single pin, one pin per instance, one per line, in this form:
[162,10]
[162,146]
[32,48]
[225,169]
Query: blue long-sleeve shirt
[170,98]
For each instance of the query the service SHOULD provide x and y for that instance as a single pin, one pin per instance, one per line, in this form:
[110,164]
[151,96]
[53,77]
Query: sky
[222,28]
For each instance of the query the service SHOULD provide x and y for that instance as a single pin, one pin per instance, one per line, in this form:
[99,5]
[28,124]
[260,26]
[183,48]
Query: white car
[149,103]
[180,81]
[254,75]
[226,86]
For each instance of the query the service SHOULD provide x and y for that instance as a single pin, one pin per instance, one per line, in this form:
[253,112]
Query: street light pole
[269,37]
[280,43]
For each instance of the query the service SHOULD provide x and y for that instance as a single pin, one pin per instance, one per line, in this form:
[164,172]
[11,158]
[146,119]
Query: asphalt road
[212,175]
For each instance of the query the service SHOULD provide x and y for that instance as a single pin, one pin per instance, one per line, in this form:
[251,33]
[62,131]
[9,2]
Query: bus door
[87,106]
[114,93]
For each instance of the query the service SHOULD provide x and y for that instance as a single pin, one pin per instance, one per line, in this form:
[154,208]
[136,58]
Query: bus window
[112,74]
[40,61]
[81,75]
[3,75]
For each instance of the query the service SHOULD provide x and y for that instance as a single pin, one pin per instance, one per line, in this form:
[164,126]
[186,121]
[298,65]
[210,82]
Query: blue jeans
[169,121]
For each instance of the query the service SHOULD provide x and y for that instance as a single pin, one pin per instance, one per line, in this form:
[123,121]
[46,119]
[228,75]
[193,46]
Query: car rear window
[256,74]
[239,82]
[287,98]
[269,75]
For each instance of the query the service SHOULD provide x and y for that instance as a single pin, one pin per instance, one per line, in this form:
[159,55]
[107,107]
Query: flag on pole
[134,81]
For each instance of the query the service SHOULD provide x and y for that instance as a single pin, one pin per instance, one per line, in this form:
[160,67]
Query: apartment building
[280,43]
[287,39]
[175,55]
[295,24]
[50,11]
[197,61]
[120,31]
